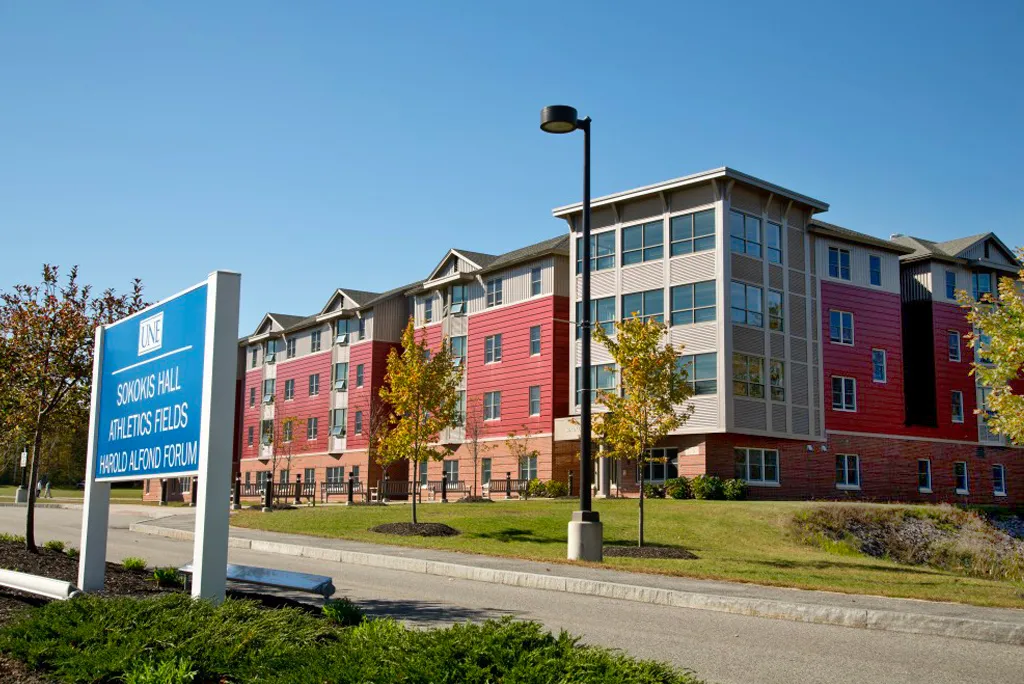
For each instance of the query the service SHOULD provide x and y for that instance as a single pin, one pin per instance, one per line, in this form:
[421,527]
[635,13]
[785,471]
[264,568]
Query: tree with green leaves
[46,357]
[422,391]
[640,417]
[518,445]
[999,340]
[475,428]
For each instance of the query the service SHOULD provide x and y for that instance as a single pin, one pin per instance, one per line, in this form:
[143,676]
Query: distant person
[47,494]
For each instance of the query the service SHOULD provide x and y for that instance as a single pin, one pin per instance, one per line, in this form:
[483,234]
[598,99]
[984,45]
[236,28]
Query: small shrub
[71,552]
[12,538]
[343,612]
[557,489]
[678,488]
[654,491]
[734,490]
[707,487]
[167,577]
[536,488]
[172,671]
[133,563]
[55,545]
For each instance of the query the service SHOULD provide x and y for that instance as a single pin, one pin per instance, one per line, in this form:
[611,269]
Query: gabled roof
[841,233]
[950,250]
[478,259]
[360,297]
[490,262]
[285,320]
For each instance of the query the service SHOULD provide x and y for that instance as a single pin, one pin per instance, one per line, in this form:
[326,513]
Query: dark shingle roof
[479,258]
[831,229]
[558,244]
[286,320]
[926,249]
[360,297]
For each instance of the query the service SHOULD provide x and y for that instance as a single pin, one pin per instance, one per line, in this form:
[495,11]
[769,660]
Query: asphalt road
[719,647]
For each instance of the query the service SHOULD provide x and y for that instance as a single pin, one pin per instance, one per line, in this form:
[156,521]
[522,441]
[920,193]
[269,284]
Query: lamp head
[558,119]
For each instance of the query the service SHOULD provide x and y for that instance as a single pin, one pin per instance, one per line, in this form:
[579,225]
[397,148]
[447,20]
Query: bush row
[708,487]
[552,489]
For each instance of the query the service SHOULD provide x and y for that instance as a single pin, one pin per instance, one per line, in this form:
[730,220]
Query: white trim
[885,366]
[853,328]
[911,438]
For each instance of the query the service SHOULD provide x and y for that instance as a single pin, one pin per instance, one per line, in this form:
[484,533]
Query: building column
[603,476]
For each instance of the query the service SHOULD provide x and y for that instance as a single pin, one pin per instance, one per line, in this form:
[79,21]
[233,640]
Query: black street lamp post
[585,530]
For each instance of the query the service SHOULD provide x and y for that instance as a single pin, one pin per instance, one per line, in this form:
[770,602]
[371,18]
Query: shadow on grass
[825,565]
[514,534]
[427,612]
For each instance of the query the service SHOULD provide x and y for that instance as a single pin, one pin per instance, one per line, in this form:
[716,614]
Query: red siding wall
[303,405]
[373,356]
[251,414]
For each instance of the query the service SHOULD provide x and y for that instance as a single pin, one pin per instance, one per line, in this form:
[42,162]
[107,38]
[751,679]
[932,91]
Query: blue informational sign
[151,388]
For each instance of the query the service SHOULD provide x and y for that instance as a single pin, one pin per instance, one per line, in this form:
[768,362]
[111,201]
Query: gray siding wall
[859,265]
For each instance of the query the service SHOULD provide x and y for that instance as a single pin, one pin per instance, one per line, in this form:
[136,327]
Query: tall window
[602,379]
[660,465]
[602,252]
[602,313]
[344,330]
[458,344]
[960,477]
[644,305]
[745,301]
[950,284]
[847,471]
[535,400]
[252,435]
[528,468]
[268,390]
[535,282]
[421,473]
[924,476]
[314,341]
[492,406]
[252,397]
[838,263]
[309,475]
[286,431]
[312,427]
[879,370]
[271,351]
[282,476]
[981,283]
[844,393]
[643,243]
[775,314]
[359,375]
[958,406]
[460,408]
[773,243]
[998,479]
[692,232]
[953,344]
[693,303]
[485,471]
[358,425]
[840,327]
[335,474]
[777,378]
[340,376]
[875,269]
[267,431]
[314,384]
[428,308]
[262,478]
[701,372]
[289,389]
[458,296]
[494,292]
[757,466]
[255,356]
[290,347]
[748,376]
[451,470]
[339,418]
[492,348]
[534,340]
[361,332]
[745,234]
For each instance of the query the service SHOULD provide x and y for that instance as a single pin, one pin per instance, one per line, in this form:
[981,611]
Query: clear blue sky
[317,145]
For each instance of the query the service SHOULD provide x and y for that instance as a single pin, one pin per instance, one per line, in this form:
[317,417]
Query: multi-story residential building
[793,334]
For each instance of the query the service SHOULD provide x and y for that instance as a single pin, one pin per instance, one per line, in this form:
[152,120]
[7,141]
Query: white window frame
[312,428]
[291,348]
[460,358]
[314,384]
[339,420]
[494,293]
[340,383]
[359,375]
[492,405]
[950,336]
[289,389]
[953,405]
[842,327]
[924,489]
[871,259]
[840,251]
[314,341]
[287,431]
[844,407]
[885,366]
[1001,469]
[659,457]
[428,308]
[966,489]
[450,467]
[760,453]
[846,484]
[536,281]
[492,348]
[534,389]
[357,425]
[535,329]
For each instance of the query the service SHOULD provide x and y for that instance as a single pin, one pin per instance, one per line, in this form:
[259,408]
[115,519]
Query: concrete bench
[279,579]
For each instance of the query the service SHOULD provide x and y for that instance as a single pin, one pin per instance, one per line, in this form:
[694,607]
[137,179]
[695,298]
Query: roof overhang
[847,235]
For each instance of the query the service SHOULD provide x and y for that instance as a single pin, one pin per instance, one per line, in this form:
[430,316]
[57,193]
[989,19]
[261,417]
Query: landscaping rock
[407,529]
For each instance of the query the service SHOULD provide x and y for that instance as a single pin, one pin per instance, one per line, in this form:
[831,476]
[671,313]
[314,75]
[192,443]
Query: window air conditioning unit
[341,385]
[341,339]
[268,398]
[270,357]
[337,431]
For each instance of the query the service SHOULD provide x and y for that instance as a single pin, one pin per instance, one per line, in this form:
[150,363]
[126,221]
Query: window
[492,406]
[958,406]
[339,418]
[840,327]
[777,378]
[757,466]
[286,430]
[314,384]
[775,317]
[528,468]
[335,474]
[248,479]
[745,301]
[774,243]
[451,470]
[312,427]
[359,375]
[358,427]
[847,471]
[340,376]
[255,356]
[693,303]
[602,313]
[960,477]
[953,344]
[998,479]
[271,352]
[252,397]
[602,252]
[602,379]
[492,348]
[291,347]
[982,284]
[692,232]
[643,242]
[875,269]
[289,390]
[950,284]
[879,371]
[838,263]
[844,394]
[535,340]
[309,475]
[314,342]
[646,306]
[745,234]
[983,344]
[924,476]
[485,471]
[361,328]
[282,476]
[267,432]
[460,408]
[252,434]
[535,282]
[458,297]
[748,376]
[428,308]
[659,465]
[701,372]
[494,292]
[535,400]
[458,348]
[344,329]
[268,390]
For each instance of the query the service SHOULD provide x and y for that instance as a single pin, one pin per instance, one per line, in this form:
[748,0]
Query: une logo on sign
[151,333]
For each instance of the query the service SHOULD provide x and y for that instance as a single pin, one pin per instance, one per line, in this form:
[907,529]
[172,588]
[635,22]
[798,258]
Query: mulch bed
[474,499]
[416,530]
[648,552]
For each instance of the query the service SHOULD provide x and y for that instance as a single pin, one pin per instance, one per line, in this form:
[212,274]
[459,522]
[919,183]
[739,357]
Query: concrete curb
[884,620]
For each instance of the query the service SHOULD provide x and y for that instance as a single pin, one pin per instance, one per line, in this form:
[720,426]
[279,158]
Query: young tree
[1001,323]
[49,333]
[474,425]
[282,442]
[422,391]
[654,386]
[518,444]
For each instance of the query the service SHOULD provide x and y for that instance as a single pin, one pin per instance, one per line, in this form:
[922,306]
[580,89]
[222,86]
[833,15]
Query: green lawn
[133,494]
[738,541]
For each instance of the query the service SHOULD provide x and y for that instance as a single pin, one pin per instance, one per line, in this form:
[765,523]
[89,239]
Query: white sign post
[163,399]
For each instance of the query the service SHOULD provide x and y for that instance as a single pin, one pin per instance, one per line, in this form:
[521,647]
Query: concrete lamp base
[21,495]
[586,537]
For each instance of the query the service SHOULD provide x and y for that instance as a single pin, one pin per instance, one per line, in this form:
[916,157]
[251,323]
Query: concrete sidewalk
[866,612]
